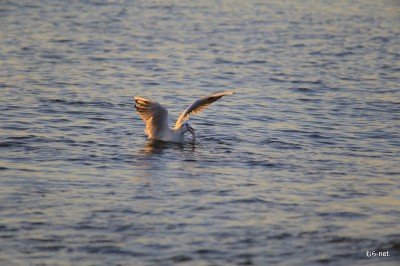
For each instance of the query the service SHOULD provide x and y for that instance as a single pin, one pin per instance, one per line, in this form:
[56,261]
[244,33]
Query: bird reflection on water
[157,147]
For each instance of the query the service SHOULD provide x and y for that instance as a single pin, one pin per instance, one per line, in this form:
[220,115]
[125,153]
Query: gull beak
[191,130]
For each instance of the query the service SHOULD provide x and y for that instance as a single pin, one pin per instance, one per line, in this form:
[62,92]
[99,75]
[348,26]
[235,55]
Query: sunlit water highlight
[299,167]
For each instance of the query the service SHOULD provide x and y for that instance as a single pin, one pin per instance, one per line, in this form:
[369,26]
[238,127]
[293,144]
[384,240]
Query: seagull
[156,117]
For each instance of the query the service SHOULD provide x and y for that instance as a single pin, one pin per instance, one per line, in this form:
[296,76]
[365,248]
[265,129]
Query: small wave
[281,144]
[6,144]
[180,258]
[249,200]
[49,248]
[225,61]
[61,41]
[207,251]
[98,58]
[108,249]
[306,81]
[348,215]
[88,103]
[264,163]
[318,136]
[277,80]
[51,56]
[302,89]
[257,62]
[380,39]
[279,236]
[343,239]
[18,141]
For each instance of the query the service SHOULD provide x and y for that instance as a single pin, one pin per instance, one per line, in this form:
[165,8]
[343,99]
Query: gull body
[156,117]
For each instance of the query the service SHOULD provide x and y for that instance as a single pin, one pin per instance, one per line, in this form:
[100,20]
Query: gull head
[187,127]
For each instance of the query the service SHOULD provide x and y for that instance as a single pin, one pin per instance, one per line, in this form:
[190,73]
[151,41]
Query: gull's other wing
[199,105]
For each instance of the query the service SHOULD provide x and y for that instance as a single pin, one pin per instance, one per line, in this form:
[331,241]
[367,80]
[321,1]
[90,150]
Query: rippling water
[299,167]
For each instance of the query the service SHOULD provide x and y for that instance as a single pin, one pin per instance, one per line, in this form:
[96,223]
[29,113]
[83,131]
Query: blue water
[300,167]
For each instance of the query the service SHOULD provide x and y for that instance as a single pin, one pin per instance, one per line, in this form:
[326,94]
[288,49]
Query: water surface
[299,167]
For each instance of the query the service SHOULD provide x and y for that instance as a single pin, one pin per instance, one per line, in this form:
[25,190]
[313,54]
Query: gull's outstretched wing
[199,105]
[154,114]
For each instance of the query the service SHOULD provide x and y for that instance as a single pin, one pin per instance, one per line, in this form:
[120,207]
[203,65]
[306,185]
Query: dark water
[299,167]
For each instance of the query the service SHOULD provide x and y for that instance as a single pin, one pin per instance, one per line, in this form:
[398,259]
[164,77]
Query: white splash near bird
[156,117]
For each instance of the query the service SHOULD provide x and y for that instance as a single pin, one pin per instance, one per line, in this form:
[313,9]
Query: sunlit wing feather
[199,105]
[153,114]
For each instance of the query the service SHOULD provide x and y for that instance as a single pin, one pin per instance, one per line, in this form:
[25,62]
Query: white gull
[156,117]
